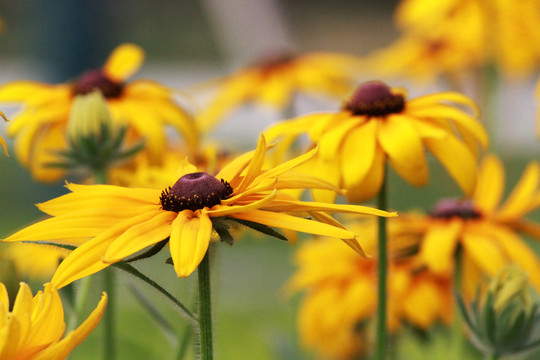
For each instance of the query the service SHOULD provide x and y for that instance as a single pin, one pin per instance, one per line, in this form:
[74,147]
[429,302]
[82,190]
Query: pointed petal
[254,167]
[490,185]
[452,97]
[288,165]
[140,236]
[190,237]
[439,245]
[218,211]
[293,206]
[123,62]
[404,148]
[518,202]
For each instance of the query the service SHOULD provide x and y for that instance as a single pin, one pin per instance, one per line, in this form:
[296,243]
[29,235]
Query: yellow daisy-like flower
[275,80]
[122,221]
[33,329]
[484,229]
[380,124]
[495,27]
[341,296]
[144,107]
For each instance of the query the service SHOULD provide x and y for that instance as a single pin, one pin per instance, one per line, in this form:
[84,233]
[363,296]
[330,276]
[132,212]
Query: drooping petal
[490,185]
[123,62]
[63,348]
[439,245]
[140,236]
[190,237]
[403,145]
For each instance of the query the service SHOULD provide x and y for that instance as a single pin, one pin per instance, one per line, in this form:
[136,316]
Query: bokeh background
[192,42]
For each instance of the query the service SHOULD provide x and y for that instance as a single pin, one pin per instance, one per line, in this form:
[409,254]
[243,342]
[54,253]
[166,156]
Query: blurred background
[191,42]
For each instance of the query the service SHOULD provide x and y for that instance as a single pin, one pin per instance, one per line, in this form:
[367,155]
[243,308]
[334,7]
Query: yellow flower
[484,230]
[143,106]
[275,80]
[380,124]
[33,329]
[34,261]
[122,221]
[2,142]
[341,296]
[494,27]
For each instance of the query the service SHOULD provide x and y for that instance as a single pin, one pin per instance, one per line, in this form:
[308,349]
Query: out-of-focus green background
[188,42]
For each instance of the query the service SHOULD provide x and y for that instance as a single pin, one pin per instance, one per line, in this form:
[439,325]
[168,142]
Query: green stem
[382,268]
[457,326]
[205,309]
[100,176]
[109,328]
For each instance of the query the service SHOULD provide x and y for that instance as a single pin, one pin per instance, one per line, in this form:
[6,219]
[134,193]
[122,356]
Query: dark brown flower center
[449,208]
[375,98]
[195,191]
[97,80]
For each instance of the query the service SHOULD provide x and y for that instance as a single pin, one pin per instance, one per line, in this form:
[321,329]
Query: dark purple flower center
[449,208]
[375,98]
[195,191]
[97,80]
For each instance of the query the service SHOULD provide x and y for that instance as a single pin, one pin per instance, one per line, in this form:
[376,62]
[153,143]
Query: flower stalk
[382,269]
[205,310]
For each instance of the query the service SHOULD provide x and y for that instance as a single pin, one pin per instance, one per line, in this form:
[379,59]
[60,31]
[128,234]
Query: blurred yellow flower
[341,296]
[380,124]
[484,229]
[276,79]
[33,329]
[34,261]
[121,221]
[143,106]
[506,32]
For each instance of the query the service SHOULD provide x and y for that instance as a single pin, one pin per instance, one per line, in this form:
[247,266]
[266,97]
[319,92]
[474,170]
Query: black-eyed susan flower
[379,124]
[485,230]
[341,297]
[275,80]
[495,28]
[144,107]
[34,327]
[121,221]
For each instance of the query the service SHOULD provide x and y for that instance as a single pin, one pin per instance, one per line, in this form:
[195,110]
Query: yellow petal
[490,185]
[332,140]
[123,62]
[519,201]
[290,222]
[458,160]
[63,348]
[288,165]
[140,236]
[190,237]
[86,259]
[371,184]
[483,251]
[48,324]
[439,245]
[254,167]
[402,144]
[299,125]
[227,210]
[358,153]
[21,90]
[453,97]
[4,146]
[291,180]
[292,206]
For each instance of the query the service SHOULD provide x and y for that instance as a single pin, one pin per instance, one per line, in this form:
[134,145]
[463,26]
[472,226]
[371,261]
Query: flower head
[378,124]
[341,298]
[276,79]
[33,329]
[144,107]
[484,229]
[122,221]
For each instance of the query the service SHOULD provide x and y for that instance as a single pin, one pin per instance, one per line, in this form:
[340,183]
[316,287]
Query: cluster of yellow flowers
[150,192]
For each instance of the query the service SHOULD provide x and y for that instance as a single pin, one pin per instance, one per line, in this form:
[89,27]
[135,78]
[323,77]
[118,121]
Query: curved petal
[292,206]
[483,251]
[123,62]
[140,236]
[190,237]
[63,348]
[371,184]
[255,165]
[439,245]
[490,185]
[401,142]
[458,160]
[520,200]
[449,96]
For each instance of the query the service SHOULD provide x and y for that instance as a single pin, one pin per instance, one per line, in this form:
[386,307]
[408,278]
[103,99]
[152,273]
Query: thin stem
[457,326]
[382,268]
[109,327]
[205,309]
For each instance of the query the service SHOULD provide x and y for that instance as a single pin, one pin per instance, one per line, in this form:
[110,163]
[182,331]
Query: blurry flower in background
[378,124]
[33,329]
[276,79]
[122,221]
[490,30]
[33,261]
[144,107]
[341,298]
[484,229]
